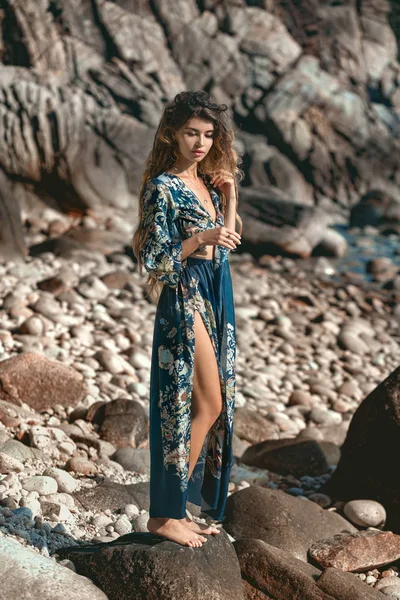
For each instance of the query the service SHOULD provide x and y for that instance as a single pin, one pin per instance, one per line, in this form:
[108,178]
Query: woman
[186,228]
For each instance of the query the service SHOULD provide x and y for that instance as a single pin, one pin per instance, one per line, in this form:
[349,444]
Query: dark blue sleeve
[162,250]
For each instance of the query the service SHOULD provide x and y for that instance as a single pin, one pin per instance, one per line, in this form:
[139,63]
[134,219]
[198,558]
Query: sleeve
[161,253]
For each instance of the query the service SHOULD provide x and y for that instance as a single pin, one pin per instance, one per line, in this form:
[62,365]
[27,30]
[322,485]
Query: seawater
[363,247]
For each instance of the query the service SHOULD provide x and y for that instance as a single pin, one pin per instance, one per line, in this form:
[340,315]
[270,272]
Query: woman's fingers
[233,236]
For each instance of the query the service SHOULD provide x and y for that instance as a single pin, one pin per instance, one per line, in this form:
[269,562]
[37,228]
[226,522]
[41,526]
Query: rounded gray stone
[365,513]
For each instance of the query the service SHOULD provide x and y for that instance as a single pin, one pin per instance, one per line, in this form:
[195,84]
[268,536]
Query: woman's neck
[190,172]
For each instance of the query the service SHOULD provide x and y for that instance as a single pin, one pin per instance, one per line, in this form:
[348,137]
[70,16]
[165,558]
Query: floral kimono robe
[171,214]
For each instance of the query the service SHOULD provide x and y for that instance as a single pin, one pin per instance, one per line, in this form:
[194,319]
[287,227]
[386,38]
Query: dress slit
[196,481]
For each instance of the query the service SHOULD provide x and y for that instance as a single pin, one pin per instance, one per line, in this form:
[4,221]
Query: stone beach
[75,342]
[313,91]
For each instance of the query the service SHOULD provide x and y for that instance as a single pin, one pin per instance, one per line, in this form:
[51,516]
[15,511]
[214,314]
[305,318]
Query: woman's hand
[224,181]
[219,236]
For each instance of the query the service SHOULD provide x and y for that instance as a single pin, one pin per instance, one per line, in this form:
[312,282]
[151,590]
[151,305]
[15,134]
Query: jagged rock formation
[314,84]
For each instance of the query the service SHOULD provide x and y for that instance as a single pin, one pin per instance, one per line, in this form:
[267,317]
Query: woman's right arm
[217,236]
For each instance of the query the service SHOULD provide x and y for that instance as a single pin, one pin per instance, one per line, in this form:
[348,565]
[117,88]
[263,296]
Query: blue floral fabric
[171,214]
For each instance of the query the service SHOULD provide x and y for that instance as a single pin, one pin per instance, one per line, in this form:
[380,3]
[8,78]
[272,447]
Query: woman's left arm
[225,182]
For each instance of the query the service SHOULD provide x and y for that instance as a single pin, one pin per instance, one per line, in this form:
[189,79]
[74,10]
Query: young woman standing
[186,229]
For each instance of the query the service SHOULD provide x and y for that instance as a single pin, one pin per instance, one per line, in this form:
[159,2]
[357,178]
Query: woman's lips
[197,152]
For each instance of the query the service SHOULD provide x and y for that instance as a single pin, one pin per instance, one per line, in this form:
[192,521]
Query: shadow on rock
[366,468]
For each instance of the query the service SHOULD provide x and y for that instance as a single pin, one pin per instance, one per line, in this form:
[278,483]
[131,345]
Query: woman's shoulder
[161,182]
[165,183]
[160,178]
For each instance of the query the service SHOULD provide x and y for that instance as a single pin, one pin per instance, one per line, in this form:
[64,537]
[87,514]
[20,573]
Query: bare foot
[175,530]
[199,528]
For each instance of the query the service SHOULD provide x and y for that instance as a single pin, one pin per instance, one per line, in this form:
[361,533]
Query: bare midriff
[208,253]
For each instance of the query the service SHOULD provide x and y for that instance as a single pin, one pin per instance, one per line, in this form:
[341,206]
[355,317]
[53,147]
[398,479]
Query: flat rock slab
[113,496]
[25,575]
[357,551]
[33,379]
[273,573]
[289,523]
[144,565]
[346,586]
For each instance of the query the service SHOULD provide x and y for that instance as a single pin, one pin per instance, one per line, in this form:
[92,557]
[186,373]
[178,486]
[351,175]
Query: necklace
[194,182]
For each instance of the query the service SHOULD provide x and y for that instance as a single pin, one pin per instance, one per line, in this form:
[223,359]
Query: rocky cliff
[313,88]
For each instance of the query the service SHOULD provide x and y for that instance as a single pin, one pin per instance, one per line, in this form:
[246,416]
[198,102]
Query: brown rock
[54,285]
[292,457]
[291,524]
[39,382]
[117,280]
[300,398]
[78,464]
[251,593]
[275,573]
[328,433]
[251,426]
[142,565]
[346,586]
[358,551]
[365,469]
[125,423]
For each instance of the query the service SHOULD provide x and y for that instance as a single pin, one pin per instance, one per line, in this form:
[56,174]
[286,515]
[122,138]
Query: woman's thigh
[206,396]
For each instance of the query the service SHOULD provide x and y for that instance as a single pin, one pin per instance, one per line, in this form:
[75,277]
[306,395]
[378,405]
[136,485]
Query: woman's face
[195,139]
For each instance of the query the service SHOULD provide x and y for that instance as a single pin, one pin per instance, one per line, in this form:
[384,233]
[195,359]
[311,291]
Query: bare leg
[206,403]
[206,406]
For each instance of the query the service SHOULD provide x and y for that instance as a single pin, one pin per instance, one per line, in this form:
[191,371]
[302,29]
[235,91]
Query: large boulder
[275,573]
[291,524]
[143,565]
[365,469]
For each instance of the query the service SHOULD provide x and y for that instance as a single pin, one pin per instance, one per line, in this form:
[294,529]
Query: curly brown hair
[165,151]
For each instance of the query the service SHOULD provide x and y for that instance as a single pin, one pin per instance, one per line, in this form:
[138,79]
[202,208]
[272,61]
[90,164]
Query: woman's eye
[193,134]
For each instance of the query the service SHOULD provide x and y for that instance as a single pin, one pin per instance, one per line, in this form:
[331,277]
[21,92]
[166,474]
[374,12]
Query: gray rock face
[25,575]
[288,523]
[141,565]
[327,106]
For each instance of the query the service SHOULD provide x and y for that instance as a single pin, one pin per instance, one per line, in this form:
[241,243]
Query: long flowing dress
[171,213]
